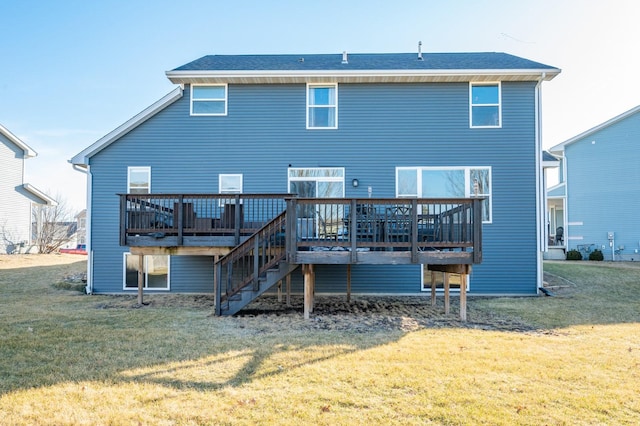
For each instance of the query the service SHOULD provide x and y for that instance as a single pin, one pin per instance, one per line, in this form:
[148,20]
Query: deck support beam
[309,284]
[348,283]
[140,278]
[463,271]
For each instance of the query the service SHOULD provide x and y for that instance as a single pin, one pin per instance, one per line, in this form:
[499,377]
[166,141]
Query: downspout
[540,190]
[86,169]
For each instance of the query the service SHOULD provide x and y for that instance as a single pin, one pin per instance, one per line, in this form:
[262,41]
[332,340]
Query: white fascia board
[28,151]
[259,76]
[44,197]
[82,158]
[560,147]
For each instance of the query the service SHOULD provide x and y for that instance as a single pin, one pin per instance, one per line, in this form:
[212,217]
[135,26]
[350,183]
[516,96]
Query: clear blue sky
[73,70]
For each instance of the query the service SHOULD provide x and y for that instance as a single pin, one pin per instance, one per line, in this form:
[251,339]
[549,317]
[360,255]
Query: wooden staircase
[252,267]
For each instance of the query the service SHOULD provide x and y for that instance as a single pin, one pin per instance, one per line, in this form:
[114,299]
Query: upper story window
[322,106]
[485,106]
[139,180]
[209,99]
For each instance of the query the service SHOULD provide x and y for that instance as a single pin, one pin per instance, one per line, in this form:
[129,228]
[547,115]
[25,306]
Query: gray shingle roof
[364,61]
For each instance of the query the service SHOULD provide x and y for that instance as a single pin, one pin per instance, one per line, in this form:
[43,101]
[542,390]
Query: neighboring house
[81,236]
[597,200]
[76,244]
[352,125]
[18,197]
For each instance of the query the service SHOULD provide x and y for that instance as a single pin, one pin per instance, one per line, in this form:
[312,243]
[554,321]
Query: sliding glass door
[320,182]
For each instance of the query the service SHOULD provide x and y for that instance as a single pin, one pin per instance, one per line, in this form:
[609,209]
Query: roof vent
[420,51]
[345,60]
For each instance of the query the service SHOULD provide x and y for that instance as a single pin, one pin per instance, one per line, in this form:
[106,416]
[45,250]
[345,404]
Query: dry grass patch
[72,359]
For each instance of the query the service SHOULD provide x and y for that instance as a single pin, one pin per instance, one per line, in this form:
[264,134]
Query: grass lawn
[68,358]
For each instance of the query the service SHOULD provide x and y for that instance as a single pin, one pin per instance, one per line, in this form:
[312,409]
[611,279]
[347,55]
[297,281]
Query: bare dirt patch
[360,314]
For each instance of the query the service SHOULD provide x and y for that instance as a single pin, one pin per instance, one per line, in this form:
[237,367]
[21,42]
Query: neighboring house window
[82,223]
[156,272]
[446,182]
[485,108]
[209,99]
[139,180]
[322,106]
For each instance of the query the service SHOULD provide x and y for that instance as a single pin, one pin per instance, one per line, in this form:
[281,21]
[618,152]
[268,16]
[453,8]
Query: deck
[281,229]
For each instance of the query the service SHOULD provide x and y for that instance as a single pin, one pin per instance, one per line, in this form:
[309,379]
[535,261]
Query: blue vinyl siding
[381,127]
[603,193]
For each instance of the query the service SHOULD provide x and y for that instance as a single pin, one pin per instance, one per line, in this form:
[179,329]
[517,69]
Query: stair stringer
[250,293]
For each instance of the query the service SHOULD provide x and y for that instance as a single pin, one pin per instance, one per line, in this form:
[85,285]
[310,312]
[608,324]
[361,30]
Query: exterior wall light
[355,183]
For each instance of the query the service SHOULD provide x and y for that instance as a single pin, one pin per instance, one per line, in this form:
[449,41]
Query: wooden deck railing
[169,218]
[383,224]
[312,224]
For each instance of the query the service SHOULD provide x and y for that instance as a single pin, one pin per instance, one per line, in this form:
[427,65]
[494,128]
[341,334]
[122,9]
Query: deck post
[217,287]
[123,220]
[140,278]
[433,288]
[280,291]
[180,215]
[237,218]
[307,270]
[414,231]
[288,285]
[446,293]
[463,297]
[348,283]
[477,230]
[353,231]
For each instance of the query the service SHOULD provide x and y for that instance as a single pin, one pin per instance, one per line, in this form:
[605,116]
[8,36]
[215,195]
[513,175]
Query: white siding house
[17,196]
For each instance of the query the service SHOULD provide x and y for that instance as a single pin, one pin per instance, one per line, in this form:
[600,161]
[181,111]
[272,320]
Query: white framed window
[318,182]
[139,180]
[322,106]
[229,184]
[485,105]
[209,99]
[455,281]
[156,272]
[446,182]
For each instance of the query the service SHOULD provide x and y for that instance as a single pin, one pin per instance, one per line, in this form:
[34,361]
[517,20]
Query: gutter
[355,76]
[85,169]
[541,199]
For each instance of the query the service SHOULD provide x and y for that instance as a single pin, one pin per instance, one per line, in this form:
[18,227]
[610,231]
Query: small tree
[53,226]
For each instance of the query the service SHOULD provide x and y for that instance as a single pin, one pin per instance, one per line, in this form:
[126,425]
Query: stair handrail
[268,245]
